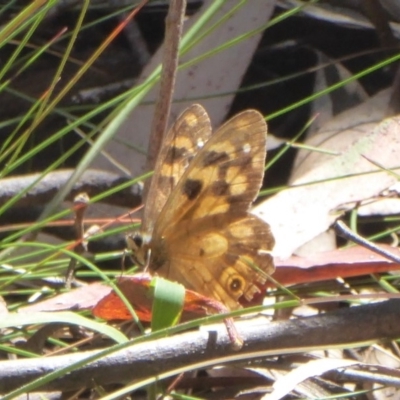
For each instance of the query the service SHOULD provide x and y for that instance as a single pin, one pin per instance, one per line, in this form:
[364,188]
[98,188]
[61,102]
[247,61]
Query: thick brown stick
[352,325]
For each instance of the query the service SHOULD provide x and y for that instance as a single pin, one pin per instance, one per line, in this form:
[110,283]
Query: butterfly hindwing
[222,263]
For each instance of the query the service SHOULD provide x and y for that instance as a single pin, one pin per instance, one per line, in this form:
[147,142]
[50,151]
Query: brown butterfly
[196,228]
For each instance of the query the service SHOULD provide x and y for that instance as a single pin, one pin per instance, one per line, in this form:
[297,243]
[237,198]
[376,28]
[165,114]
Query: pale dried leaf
[372,111]
[3,307]
[285,384]
[338,14]
[379,356]
[82,298]
[380,206]
[329,184]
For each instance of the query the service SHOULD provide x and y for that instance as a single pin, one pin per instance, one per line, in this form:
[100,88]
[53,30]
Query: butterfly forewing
[223,178]
[186,137]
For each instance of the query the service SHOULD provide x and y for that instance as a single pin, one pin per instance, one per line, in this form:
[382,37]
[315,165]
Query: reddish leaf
[136,289]
[354,261]
[82,298]
[346,263]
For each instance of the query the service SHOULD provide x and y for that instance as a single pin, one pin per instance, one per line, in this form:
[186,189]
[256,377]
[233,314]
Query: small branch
[344,231]
[173,32]
[92,182]
[81,202]
[344,326]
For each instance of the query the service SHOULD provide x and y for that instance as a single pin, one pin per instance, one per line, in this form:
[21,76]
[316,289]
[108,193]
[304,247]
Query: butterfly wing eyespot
[233,282]
[197,210]
[236,284]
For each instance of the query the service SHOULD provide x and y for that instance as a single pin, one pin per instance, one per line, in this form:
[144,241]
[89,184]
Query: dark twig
[173,32]
[92,182]
[344,326]
[343,230]
[81,203]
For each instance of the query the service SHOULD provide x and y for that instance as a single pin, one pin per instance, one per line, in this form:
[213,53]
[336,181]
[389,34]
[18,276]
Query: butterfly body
[197,228]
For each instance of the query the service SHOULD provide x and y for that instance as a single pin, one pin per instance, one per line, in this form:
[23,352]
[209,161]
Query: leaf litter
[325,185]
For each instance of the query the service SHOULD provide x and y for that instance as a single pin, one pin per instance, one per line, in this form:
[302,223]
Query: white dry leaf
[286,383]
[386,359]
[380,206]
[387,204]
[379,355]
[352,120]
[273,142]
[3,307]
[325,185]
[342,16]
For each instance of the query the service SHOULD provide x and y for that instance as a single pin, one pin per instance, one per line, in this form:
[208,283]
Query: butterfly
[196,227]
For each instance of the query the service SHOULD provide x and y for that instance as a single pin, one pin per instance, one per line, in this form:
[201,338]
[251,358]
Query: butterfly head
[140,249]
